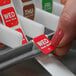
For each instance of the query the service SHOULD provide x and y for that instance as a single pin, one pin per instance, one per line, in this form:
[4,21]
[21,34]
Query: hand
[66,31]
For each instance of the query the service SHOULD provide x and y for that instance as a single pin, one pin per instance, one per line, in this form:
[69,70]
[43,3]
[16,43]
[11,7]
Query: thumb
[67,25]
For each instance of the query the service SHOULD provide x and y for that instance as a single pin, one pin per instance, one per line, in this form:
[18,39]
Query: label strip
[10,19]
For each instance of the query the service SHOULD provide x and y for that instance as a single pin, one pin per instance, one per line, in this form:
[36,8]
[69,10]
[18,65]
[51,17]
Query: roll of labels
[9,19]
[47,5]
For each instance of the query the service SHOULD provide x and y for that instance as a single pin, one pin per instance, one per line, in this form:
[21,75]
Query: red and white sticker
[24,41]
[4,2]
[9,16]
[44,44]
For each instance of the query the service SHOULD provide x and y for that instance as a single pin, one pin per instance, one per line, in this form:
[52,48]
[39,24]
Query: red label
[9,16]
[63,1]
[24,41]
[4,2]
[44,44]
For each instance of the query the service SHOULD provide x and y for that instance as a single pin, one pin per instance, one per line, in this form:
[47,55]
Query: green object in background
[47,5]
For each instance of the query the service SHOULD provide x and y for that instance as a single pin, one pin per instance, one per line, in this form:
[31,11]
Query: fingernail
[57,37]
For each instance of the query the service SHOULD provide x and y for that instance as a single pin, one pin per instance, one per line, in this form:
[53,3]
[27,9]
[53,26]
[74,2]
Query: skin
[67,24]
